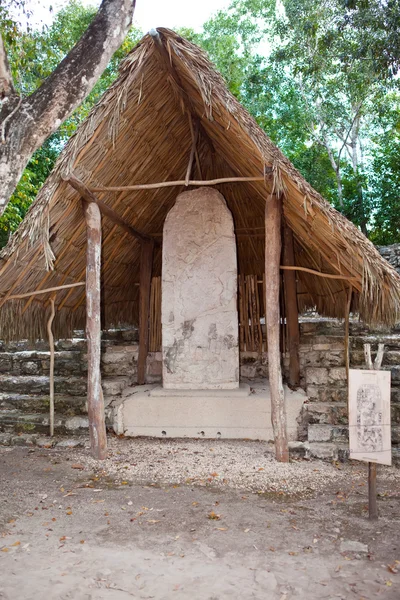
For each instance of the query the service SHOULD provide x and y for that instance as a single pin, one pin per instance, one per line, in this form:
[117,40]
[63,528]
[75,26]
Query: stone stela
[200,395]
[199,315]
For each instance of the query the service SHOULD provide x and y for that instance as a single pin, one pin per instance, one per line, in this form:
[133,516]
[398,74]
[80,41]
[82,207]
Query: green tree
[33,56]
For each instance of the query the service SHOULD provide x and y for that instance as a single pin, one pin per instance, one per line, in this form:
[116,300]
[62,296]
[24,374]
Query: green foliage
[37,170]
[33,56]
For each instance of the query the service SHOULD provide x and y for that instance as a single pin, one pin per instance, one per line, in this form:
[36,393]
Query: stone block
[248,370]
[337,375]
[315,375]
[30,368]
[74,423]
[5,364]
[199,294]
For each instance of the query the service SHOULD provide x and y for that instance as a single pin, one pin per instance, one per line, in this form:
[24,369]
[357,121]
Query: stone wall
[391,254]
[24,380]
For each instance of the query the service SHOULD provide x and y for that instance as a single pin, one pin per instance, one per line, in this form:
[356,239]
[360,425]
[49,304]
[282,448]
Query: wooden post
[372,495]
[372,467]
[273,243]
[51,346]
[292,312]
[97,427]
[146,266]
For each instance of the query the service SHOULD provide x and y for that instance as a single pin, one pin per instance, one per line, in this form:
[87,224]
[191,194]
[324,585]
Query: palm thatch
[141,132]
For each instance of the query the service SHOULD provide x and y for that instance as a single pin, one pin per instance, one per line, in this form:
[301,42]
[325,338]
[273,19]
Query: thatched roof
[139,133]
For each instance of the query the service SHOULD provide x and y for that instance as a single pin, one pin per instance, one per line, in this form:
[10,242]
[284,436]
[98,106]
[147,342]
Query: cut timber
[292,312]
[146,266]
[105,209]
[273,244]
[97,427]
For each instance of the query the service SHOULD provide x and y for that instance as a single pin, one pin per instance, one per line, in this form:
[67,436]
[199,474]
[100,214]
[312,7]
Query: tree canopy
[321,78]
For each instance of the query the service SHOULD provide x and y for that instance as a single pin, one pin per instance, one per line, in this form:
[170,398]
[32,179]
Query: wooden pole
[372,493]
[146,266]
[347,333]
[273,243]
[51,346]
[292,311]
[180,182]
[97,427]
[88,196]
[372,467]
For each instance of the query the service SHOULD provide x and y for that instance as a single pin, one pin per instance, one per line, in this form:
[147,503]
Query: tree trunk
[272,279]
[97,427]
[292,312]
[26,123]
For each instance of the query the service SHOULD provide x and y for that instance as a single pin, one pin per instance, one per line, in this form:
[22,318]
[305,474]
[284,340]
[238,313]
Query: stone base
[244,413]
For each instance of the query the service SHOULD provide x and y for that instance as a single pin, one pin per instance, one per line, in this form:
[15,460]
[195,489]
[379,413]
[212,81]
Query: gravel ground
[242,465]
[207,520]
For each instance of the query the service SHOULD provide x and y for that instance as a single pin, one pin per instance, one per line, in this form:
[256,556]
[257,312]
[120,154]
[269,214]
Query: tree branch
[6,80]
[76,75]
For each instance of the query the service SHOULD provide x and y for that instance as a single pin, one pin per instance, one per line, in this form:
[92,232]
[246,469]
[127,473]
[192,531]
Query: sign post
[369,421]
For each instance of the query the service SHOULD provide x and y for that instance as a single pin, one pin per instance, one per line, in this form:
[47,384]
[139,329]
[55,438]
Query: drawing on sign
[369,418]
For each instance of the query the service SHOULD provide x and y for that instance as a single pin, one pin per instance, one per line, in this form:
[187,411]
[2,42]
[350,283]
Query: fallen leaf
[68,512]
[82,542]
[214,474]
[16,544]
[4,549]
[77,466]
[247,530]
[153,521]
[221,529]
[389,583]
[195,503]
[293,553]
[213,516]
[392,569]
[272,549]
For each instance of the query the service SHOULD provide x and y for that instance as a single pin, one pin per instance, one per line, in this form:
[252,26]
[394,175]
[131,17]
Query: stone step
[332,413]
[335,413]
[43,441]
[321,432]
[39,384]
[15,421]
[68,405]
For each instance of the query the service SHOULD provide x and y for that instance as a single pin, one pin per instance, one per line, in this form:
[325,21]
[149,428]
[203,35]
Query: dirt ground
[202,520]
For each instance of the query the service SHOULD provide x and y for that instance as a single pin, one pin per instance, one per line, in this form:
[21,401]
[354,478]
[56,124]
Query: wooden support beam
[88,195]
[154,186]
[292,311]
[195,136]
[347,333]
[51,346]
[273,243]
[146,267]
[318,273]
[97,426]
[45,291]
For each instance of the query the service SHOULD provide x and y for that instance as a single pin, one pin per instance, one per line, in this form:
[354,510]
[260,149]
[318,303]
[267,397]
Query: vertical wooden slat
[51,374]
[273,245]
[241,318]
[292,312]
[146,266]
[97,426]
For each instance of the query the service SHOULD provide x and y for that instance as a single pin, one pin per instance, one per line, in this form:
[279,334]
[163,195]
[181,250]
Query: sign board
[369,416]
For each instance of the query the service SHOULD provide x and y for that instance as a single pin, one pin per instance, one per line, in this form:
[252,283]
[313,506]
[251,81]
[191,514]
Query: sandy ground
[202,520]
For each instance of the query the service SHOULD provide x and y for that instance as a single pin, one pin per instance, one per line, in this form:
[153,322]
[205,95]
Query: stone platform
[244,413]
